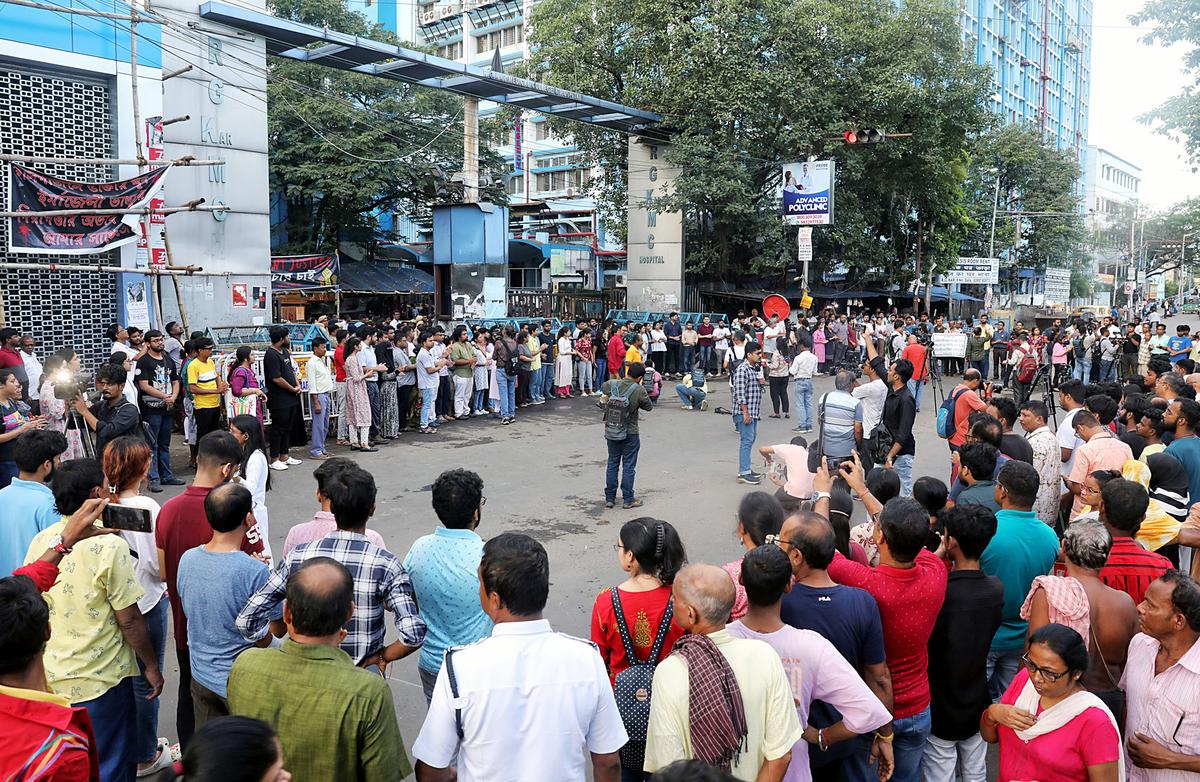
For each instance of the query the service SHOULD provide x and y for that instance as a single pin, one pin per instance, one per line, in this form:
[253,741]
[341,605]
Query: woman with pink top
[1058,357]
[758,516]
[819,338]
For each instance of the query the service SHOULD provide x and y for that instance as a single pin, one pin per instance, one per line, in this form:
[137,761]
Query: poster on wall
[808,193]
[258,297]
[240,296]
[78,234]
[137,304]
[495,297]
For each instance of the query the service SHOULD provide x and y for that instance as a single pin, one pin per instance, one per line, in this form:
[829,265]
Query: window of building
[541,131]
[524,278]
[515,184]
[451,51]
[509,36]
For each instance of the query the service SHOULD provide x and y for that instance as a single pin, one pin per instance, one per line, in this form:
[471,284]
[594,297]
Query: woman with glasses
[1048,726]
[628,619]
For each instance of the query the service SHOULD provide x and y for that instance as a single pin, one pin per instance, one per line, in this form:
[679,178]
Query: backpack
[698,378]
[945,415]
[632,686]
[1027,368]
[617,412]
[1077,347]
[506,358]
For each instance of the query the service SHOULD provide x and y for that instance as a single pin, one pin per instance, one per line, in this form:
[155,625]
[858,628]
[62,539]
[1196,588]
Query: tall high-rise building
[1040,55]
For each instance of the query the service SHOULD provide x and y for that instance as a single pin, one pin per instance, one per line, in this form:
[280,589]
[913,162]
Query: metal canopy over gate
[353,53]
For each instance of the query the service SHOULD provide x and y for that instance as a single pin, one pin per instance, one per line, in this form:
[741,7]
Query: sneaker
[166,757]
[609,504]
[428,430]
[174,482]
[686,407]
[293,461]
[635,503]
[539,401]
[751,478]
[704,405]
[505,421]
[478,413]
[278,466]
[797,428]
[154,487]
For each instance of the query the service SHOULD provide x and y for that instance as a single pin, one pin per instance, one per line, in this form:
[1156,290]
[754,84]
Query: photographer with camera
[113,415]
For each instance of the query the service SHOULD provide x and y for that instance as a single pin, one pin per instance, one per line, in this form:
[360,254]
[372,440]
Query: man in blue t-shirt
[1180,345]
[444,568]
[845,616]
[213,638]
[1183,420]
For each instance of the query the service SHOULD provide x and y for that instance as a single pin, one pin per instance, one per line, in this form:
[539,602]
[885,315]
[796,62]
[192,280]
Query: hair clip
[658,539]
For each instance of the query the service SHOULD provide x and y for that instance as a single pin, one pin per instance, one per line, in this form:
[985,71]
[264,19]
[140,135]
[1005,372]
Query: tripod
[933,374]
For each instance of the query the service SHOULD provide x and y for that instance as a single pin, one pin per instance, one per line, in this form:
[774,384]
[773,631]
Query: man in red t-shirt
[1129,568]
[909,586]
[918,354]
[182,525]
[967,401]
[616,353]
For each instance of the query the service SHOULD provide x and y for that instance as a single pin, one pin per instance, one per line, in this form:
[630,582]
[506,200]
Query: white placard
[973,271]
[804,243]
[1058,285]
[949,345]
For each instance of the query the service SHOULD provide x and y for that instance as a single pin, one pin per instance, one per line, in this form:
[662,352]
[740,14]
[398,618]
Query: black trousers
[673,351]
[779,393]
[185,709]
[404,395]
[445,397]
[208,419]
[283,419]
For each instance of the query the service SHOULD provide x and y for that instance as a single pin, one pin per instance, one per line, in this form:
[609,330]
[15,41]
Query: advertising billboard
[808,193]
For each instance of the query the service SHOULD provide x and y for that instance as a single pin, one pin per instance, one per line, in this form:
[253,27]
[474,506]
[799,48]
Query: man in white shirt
[804,366]
[771,336]
[720,345]
[554,687]
[33,370]
[1071,399]
[320,393]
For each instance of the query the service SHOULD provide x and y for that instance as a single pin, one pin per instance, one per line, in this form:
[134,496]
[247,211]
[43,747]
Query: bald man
[758,710]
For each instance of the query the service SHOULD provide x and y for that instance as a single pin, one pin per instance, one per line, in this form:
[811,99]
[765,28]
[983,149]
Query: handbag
[243,405]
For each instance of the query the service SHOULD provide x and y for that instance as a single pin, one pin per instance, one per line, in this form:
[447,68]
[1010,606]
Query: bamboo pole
[191,206]
[181,271]
[175,280]
[186,160]
[138,130]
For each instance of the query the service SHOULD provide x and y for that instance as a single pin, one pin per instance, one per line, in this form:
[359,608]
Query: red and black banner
[76,234]
[304,272]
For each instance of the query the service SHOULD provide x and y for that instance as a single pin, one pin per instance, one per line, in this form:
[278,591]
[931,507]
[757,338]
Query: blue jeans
[908,747]
[535,384]
[114,723]
[508,392]
[1002,668]
[601,370]
[373,398]
[689,357]
[914,388]
[903,467]
[428,395]
[803,391]
[147,711]
[547,387]
[747,432]
[622,454]
[320,424]
[1081,369]
[692,397]
[1108,371]
[479,402]
[982,366]
[706,352]
[159,427]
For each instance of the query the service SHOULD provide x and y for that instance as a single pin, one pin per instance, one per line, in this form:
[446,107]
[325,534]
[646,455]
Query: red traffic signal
[867,136]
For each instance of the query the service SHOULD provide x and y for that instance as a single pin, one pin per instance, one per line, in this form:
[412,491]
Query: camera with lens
[68,385]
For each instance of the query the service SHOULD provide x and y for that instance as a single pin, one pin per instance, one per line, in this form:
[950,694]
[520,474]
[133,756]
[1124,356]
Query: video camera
[68,385]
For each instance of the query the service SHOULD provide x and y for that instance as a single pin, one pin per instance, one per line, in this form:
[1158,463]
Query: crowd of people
[1039,597]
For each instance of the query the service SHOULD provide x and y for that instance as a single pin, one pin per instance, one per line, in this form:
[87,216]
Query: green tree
[1177,22]
[347,147]
[746,88]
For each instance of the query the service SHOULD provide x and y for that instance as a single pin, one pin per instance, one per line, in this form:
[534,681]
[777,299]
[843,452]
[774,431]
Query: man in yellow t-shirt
[206,387]
[633,354]
[97,633]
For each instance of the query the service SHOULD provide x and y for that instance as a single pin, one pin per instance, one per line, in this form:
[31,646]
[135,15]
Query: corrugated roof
[384,278]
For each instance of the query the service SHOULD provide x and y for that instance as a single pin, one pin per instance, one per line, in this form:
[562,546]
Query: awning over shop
[383,278]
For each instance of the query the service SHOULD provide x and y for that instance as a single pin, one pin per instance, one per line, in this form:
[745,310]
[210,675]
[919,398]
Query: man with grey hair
[840,419]
[745,718]
[1105,617]
[1170,386]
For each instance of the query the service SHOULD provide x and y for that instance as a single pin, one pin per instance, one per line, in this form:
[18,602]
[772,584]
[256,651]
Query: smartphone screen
[126,518]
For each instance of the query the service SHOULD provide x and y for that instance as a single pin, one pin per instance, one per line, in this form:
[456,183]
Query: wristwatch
[57,544]
[820,495]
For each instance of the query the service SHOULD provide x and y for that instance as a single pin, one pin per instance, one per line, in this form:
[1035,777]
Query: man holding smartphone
[839,421]
[113,416]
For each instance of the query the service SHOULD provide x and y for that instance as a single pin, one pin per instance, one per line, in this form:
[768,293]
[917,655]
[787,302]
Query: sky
[1128,79]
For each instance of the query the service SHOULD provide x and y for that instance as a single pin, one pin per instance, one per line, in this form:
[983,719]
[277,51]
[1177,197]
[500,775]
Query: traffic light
[866,136]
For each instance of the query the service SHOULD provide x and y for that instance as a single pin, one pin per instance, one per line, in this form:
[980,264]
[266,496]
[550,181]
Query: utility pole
[471,150]
[992,242]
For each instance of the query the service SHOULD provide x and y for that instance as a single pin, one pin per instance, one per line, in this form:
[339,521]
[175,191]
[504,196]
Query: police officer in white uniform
[526,703]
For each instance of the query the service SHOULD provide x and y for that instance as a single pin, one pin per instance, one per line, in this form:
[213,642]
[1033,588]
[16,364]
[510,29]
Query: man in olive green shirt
[336,722]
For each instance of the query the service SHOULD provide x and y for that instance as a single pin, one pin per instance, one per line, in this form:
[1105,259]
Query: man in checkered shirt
[380,582]
[747,402]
